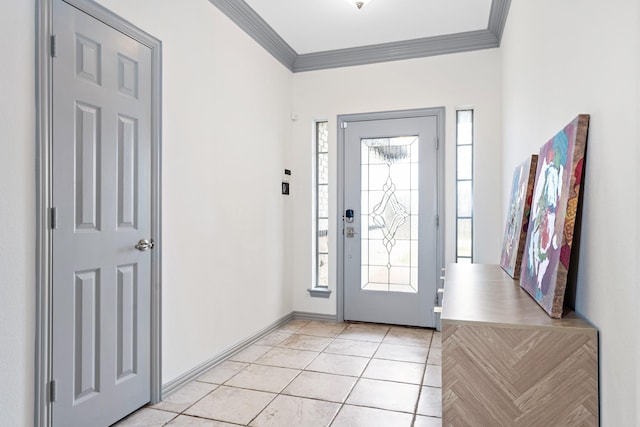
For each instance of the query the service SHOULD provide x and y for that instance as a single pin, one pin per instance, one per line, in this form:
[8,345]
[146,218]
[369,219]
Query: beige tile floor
[310,373]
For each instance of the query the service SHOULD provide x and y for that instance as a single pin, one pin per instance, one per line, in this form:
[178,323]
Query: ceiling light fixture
[358,3]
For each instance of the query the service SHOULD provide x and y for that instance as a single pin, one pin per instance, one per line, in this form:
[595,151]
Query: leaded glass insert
[322,204]
[389,226]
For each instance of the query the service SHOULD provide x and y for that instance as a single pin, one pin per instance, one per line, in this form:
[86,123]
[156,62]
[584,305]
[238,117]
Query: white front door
[391,220]
[100,243]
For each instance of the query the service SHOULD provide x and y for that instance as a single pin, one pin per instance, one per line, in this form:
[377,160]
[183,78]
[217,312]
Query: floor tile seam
[280,366]
[404,344]
[267,366]
[344,402]
[217,366]
[336,415]
[424,372]
[315,335]
[206,419]
[289,395]
[286,331]
[411,343]
[304,369]
[317,399]
[303,349]
[394,381]
[256,362]
[357,339]
[183,412]
[291,348]
[289,383]
[355,383]
[165,424]
[379,343]
[217,386]
[218,419]
[250,389]
[343,354]
[379,408]
[398,360]
[300,371]
[318,355]
[262,410]
[331,373]
[391,381]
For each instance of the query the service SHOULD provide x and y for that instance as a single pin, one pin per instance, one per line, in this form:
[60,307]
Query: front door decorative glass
[389,226]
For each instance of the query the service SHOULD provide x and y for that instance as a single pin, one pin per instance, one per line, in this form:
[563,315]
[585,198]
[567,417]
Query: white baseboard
[192,374]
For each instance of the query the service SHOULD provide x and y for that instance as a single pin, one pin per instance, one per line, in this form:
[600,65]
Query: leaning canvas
[515,232]
[556,194]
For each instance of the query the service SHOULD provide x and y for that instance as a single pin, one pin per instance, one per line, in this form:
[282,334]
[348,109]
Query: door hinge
[53,218]
[437,220]
[52,391]
[437,143]
[53,46]
[343,125]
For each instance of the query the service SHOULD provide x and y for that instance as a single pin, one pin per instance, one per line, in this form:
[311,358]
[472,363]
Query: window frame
[317,289]
[471,180]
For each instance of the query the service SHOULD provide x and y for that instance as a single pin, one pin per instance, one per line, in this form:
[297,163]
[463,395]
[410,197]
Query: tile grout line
[298,332]
[344,402]
[229,379]
[336,337]
[424,372]
[283,388]
[304,369]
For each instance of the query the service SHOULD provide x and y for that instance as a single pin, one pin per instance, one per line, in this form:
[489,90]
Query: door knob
[144,245]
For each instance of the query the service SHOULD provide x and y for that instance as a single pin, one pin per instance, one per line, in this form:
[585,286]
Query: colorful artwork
[545,263]
[515,231]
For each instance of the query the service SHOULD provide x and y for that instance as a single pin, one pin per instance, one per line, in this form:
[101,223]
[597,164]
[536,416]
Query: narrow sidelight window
[322,205]
[464,186]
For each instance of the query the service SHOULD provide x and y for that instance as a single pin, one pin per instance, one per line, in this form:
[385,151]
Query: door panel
[102,195]
[390,245]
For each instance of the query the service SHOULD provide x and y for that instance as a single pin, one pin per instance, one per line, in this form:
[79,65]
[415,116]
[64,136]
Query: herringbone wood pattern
[497,376]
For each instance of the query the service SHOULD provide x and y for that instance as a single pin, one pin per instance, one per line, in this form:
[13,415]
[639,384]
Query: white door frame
[439,113]
[44,125]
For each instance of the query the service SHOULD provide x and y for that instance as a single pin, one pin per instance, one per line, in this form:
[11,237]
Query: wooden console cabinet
[505,362]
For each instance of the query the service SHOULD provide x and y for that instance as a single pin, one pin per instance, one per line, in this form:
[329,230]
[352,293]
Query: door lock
[348,215]
[350,232]
[144,245]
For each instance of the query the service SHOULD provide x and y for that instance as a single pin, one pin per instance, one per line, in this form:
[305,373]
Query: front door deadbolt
[348,215]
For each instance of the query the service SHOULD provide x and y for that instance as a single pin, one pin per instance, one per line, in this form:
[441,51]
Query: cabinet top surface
[484,293]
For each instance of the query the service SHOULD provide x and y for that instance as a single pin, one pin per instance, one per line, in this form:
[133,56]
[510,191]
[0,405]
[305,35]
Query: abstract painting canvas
[554,206]
[515,232]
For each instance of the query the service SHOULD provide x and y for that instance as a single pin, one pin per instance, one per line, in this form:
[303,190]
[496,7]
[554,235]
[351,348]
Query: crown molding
[252,24]
[498,17]
[406,49]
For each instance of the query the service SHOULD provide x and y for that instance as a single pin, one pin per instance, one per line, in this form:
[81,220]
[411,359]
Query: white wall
[467,79]
[17,217]
[561,59]
[226,124]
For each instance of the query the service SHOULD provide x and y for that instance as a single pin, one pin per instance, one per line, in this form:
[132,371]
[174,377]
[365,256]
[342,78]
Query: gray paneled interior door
[102,199]
[390,241]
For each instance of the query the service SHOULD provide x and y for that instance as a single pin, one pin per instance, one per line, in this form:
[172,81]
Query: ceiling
[317,25]
[317,34]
